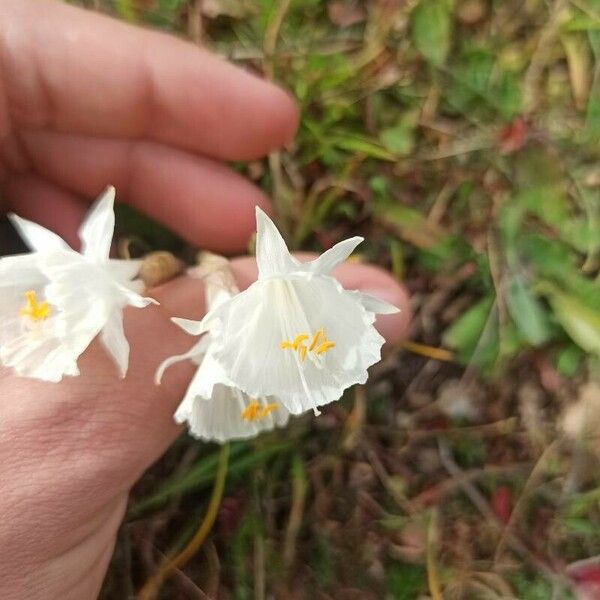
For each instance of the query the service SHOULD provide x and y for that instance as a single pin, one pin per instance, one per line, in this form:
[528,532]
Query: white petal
[38,238]
[333,257]
[195,354]
[377,306]
[220,418]
[31,349]
[124,270]
[115,342]
[132,298]
[97,230]
[257,320]
[83,293]
[272,254]
[20,271]
[190,326]
[36,352]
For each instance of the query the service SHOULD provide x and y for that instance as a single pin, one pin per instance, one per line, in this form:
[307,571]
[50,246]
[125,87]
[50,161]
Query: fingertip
[285,116]
[264,114]
[393,326]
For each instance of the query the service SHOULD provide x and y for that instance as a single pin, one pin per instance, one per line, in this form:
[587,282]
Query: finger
[202,200]
[132,83]
[34,198]
[353,276]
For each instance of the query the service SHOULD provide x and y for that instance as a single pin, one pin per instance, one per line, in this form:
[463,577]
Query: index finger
[70,70]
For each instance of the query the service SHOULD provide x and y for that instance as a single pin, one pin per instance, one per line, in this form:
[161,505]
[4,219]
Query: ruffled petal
[333,257]
[38,238]
[257,321]
[114,340]
[38,352]
[31,349]
[96,232]
[220,418]
[272,254]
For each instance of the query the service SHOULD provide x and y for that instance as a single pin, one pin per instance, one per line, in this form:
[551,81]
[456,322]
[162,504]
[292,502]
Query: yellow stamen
[250,413]
[36,311]
[268,409]
[298,340]
[315,340]
[326,345]
[302,351]
[319,344]
[255,411]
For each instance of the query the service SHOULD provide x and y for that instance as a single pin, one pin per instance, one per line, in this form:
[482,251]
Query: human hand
[86,101]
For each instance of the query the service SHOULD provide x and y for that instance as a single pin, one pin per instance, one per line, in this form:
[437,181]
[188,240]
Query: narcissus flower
[213,408]
[296,334]
[55,301]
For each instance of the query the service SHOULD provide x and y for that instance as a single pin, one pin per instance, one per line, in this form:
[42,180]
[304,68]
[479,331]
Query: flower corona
[282,338]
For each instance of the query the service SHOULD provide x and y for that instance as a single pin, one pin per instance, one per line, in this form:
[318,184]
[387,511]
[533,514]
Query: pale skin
[86,101]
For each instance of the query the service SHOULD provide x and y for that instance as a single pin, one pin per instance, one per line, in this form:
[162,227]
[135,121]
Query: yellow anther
[326,345]
[251,412]
[319,344]
[268,409]
[298,340]
[302,351]
[36,311]
[316,337]
[255,411]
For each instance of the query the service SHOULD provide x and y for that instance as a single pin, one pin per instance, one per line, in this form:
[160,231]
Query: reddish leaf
[513,137]
[502,503]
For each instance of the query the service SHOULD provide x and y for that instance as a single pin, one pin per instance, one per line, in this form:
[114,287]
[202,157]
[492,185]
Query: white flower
[214,409]
[54,301]
[296,333]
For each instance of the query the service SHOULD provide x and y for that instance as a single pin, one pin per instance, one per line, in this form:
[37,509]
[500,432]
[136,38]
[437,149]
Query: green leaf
[582,504]
[592,124]
[553,260]
[431,30]
[527,312]
[398,139]
[201,475]
[581,322]
[405,581]
[506,94]
[466,332]
[568,360]
[582,526]
[351,142]
[530,586]
[126,10]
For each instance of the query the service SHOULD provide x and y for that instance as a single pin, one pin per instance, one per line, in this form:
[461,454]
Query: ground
[461,138]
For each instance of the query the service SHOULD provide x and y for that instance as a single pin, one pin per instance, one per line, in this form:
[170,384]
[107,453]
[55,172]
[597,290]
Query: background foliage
[461,137]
